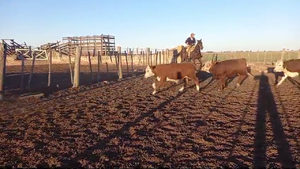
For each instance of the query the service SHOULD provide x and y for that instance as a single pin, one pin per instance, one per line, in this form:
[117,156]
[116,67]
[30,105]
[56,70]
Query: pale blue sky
[222,24]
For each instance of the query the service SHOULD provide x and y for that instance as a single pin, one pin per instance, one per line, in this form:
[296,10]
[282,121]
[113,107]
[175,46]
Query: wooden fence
[131,58]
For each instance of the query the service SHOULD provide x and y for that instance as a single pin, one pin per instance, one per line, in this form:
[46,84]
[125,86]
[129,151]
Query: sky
[223,25]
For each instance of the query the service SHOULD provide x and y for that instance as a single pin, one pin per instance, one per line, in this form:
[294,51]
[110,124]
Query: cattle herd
[221,70]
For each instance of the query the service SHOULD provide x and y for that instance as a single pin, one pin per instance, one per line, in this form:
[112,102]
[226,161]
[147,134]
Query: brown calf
[174,72]
[229,68]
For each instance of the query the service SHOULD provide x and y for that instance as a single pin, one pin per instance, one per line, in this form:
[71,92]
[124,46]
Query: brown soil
[121,124]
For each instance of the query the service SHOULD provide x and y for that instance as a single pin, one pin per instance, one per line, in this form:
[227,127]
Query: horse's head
[200,44]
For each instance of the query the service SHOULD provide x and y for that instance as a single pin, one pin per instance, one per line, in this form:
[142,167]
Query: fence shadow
[59,81]
[266,104]
[122,132]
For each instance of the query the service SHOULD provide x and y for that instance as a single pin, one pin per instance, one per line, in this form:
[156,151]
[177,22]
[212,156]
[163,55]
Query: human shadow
[266,105]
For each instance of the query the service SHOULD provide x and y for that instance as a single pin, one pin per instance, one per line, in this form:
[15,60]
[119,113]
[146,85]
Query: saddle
[180,47]
[192,48]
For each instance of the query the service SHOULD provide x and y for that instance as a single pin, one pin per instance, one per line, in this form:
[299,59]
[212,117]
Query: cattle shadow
[266,105]
[294,82]
[122,132]
[242,121]
[203,76]
[276,74]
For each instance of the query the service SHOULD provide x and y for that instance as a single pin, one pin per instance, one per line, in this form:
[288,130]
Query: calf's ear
[152,67]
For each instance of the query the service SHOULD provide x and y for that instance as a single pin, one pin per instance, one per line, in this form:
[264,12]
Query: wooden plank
[126,57]
[159,55]
[2,69]
[120,62]
[91,69]
[22,72]
[32,68]
[148,56]
[50,67]
[99,61]
[265,57]
[77,67]
[71,69]
[156,56]
[282,54]
[131,56]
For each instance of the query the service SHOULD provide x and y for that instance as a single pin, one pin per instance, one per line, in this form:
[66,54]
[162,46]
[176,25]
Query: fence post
[131,56]
[151,58]
[50,66]
[32,66]
[91,69]
[148,56]
[163,56]
[120,62]
[282,54]
[265,57]
[99,58]
[22,72]
[143,57]
[167,55]
[299,54]
[249,57]
[126,59]
[159,56]
[156,56]
[2,69]
[77,67]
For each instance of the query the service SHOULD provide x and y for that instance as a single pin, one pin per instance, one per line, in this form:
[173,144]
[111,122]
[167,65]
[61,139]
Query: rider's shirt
[190,41]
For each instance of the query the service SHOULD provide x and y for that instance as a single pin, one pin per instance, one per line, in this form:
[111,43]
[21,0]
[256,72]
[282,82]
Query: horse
[194,55]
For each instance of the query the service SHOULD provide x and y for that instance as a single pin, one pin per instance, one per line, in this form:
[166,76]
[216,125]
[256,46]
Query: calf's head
[207,66]
[149,71]
[212,67]
[279,66]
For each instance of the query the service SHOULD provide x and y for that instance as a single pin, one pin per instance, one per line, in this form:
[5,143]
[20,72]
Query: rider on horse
[190,41]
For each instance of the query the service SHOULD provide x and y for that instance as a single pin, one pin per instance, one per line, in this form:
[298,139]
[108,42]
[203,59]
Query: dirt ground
[122,124]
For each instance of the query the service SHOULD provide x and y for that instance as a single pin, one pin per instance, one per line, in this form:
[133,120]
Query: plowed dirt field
[122,124]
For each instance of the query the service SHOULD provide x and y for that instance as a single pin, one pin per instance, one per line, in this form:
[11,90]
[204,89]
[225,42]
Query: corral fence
[132,60]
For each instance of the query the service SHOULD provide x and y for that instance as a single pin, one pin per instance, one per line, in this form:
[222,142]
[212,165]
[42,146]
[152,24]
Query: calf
[290,68]
[229,68]
[207,65]
[174,72]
